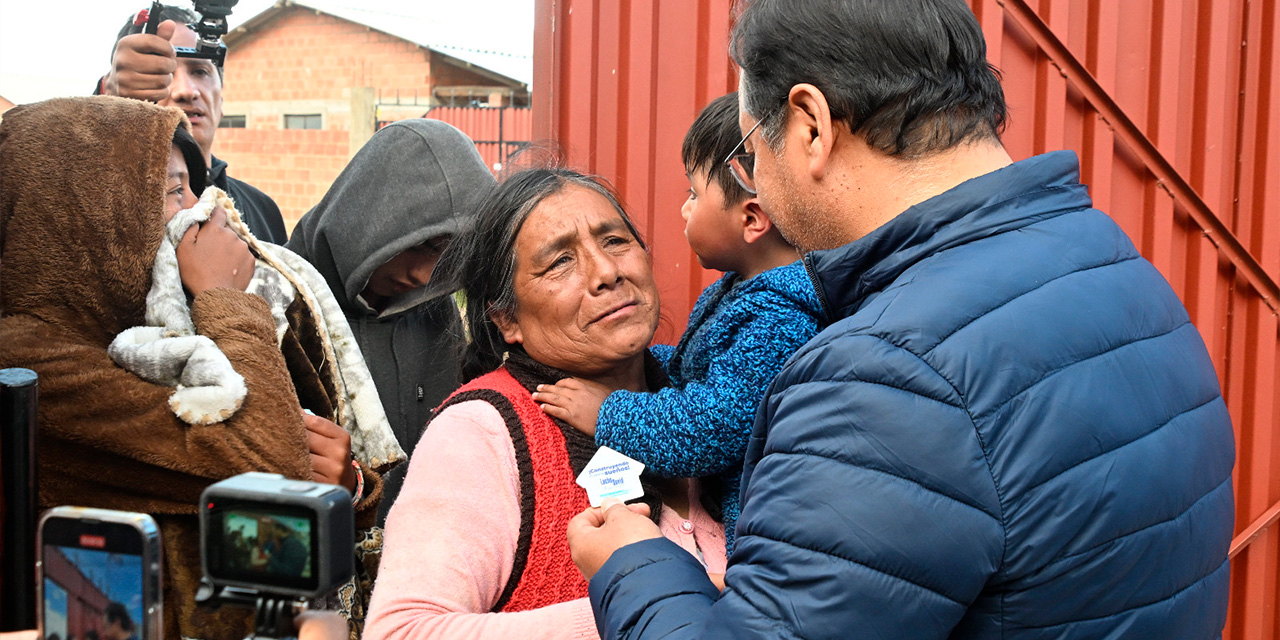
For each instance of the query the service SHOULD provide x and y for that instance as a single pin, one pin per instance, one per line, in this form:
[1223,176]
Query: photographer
[145,67]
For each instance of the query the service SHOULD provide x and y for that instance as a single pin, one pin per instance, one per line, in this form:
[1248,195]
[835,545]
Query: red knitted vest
[543,573]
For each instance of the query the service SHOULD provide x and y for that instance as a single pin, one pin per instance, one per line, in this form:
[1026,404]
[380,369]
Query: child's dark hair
[708,142]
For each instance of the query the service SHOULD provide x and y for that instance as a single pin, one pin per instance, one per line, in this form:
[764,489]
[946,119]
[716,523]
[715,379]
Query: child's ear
[755,222]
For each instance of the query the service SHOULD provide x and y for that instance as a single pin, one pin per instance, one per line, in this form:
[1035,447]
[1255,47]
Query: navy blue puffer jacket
[1011,430]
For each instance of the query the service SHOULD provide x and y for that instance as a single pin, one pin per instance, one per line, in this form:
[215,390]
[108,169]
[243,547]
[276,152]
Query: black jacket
[256,208]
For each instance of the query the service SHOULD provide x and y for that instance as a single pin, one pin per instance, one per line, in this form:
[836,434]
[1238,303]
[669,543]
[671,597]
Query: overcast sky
[45,55]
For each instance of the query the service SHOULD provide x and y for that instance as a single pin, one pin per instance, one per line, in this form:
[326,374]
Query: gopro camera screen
[273,548]
[91,589]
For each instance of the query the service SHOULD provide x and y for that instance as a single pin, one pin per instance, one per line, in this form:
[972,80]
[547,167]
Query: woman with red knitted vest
[558,284]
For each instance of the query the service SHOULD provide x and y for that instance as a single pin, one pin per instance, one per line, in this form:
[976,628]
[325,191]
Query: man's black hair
[118,614]
[911,76]
[197,172]
[713,134]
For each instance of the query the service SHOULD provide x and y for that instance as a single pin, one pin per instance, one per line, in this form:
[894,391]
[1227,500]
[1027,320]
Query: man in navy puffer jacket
[1010,430]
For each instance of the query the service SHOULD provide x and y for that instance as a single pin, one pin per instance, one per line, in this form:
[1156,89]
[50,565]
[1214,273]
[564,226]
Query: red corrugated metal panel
[617,84]
[498,132]
[1182,89]
[1198,80]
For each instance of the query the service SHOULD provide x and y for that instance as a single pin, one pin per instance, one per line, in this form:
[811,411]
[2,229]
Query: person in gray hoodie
[375,237]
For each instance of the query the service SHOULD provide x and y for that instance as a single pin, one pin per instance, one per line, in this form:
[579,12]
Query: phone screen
[93,580]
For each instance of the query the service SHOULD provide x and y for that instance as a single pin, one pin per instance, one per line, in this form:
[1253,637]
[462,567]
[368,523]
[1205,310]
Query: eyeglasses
[743,165]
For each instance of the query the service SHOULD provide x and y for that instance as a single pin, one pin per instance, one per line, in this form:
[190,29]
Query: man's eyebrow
[199,62]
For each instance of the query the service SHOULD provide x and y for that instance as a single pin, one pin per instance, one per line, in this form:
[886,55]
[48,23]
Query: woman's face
[585,297]
[177,194]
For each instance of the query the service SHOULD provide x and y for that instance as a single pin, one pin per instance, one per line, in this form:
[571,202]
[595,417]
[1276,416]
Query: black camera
[209,29]
[269,544]
[290,538]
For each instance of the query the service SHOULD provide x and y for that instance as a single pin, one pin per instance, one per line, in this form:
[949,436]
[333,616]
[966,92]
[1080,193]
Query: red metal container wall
[1198,79]
[617,84]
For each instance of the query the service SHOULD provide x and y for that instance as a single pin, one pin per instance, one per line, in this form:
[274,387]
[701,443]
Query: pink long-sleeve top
[451,540]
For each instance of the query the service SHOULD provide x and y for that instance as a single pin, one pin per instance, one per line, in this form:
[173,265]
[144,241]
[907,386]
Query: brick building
[308,83]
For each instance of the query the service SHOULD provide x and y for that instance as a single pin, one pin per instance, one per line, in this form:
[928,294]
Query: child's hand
[575,401]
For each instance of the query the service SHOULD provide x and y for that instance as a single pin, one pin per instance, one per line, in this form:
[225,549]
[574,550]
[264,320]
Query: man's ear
[755,222]
[508,325]
[810,126]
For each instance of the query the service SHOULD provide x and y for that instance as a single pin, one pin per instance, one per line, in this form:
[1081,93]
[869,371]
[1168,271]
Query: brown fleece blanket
[82,184]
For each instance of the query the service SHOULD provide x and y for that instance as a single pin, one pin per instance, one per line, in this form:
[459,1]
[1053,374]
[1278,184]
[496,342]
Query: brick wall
[304,62]
[294,167]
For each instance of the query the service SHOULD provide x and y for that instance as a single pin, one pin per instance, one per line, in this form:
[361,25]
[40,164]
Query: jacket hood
[82,186]
[413,181]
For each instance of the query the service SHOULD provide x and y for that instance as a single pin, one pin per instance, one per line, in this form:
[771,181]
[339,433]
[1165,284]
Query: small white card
[611,475]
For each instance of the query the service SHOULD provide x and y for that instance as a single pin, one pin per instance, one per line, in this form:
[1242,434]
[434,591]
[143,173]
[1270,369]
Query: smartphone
[98,575]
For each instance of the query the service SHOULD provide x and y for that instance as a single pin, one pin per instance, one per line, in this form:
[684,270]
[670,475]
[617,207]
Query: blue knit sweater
[740,334]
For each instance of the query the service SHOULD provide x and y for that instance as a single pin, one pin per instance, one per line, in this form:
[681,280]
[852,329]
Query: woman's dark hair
[710,139]
[197,172]
[482,261]
[911,76]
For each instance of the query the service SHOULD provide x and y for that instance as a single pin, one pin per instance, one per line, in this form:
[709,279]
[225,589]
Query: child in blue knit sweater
[741,331]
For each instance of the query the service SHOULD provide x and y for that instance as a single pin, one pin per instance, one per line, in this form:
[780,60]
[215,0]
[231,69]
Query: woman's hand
[211,255]
[330,449]
[573,400]
[597,532]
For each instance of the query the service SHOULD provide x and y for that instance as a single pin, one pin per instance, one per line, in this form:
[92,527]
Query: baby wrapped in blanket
[207,388]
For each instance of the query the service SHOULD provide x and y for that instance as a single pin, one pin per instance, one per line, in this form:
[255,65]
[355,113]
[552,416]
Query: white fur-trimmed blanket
[208,390]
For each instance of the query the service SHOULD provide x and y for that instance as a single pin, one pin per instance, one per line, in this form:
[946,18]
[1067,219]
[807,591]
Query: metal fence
[499,132]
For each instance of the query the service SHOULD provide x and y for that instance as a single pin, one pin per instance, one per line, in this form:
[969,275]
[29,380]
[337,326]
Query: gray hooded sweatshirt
[413,181]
